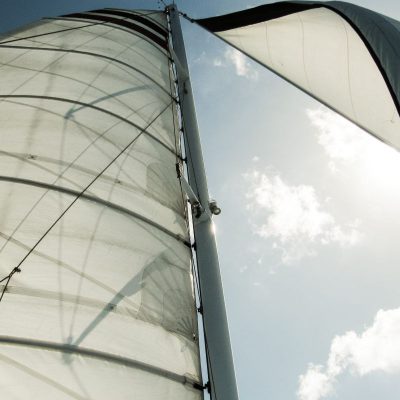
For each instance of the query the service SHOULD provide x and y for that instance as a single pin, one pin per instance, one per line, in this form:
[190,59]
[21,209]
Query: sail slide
[346,56]
[96,283]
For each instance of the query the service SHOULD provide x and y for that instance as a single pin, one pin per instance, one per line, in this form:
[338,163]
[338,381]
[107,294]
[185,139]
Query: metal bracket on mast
[183,73]
[197,208]
[220,360]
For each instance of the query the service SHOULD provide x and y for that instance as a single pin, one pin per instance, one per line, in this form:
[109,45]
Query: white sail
[95,257]
[343,55]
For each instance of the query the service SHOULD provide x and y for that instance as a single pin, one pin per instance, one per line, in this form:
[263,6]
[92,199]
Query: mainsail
[343,55]
[97,294]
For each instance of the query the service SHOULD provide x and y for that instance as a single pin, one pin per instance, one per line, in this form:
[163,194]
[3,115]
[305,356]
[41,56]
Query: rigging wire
[17,268]
[50,33]
[187,17]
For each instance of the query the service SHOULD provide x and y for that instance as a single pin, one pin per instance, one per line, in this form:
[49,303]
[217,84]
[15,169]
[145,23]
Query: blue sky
[308,233]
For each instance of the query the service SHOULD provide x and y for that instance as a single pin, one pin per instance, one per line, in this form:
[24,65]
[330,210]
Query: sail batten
[71,349]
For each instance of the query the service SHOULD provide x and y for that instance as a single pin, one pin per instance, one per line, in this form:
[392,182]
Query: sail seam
[25,157]
[154,39]
[74,299]
[95,199]
[88,54]
[105,307]
[143,130]
[17,269]
[315,97]
[50,33]
[373,55]
[145,14]
[100,355]
[135,17]
[158,48]
[272,11]
[66,266]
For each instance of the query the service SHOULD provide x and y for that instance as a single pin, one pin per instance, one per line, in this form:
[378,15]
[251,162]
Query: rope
[8,277]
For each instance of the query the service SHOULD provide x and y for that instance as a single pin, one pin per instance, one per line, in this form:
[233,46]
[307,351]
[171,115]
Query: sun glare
[354,151]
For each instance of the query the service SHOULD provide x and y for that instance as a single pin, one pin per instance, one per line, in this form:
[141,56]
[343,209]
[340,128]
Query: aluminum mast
[222,375]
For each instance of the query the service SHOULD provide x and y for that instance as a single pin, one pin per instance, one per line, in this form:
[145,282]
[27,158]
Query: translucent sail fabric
[95,258]
[346,56]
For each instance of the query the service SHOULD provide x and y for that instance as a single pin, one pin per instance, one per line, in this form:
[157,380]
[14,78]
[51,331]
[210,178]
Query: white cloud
[242,66]
[315,384]
[375,349]
[217,62]
[346,144]
[243,269]
[292,215]
[340,139]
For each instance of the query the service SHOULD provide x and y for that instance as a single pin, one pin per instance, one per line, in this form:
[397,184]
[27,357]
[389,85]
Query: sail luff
[220,360]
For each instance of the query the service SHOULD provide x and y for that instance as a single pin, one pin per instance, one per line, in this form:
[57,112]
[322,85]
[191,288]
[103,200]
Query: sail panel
[341,54]
[91,205]
[66,375]
[85,148]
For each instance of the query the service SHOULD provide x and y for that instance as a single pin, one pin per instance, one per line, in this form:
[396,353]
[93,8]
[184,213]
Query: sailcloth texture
[95,264]
[346,56]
